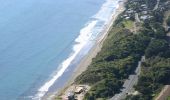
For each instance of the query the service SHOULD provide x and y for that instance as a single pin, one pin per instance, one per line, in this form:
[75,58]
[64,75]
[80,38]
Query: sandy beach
[86,60]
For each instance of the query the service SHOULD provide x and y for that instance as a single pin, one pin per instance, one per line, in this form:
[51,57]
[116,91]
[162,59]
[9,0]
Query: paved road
[129,83]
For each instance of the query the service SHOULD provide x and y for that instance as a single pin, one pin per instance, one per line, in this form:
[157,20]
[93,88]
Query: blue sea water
[36,36]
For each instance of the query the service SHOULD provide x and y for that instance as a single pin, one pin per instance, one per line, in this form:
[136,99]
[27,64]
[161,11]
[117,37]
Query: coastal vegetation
[168,98]
[154,75]
[168,21]
[117,59]
[155,70]
[123,49]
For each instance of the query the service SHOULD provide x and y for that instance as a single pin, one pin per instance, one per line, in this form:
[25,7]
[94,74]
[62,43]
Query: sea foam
[91,30]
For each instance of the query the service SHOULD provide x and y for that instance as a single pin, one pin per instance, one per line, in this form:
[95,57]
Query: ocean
[41,42]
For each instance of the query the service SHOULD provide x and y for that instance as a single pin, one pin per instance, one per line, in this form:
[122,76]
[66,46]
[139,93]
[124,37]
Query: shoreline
[97,46]
[87,59]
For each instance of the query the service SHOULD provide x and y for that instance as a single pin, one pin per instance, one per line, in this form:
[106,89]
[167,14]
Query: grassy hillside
[121,52]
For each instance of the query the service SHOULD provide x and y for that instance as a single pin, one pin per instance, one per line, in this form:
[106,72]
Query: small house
[79,89]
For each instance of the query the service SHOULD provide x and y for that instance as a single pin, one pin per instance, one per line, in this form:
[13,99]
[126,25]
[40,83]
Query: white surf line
[80,42]
[85,34]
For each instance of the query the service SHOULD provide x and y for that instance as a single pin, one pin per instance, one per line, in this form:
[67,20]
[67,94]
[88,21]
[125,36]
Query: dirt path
[136,23]
[164,93]
[166,90]
[167,14]
[157,5]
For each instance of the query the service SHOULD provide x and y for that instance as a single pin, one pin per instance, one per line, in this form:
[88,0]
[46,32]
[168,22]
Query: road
[157,4]
[129,83]
[137,21]
[137,18]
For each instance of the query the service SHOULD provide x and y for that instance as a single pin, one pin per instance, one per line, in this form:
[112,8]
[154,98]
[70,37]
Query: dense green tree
[155,73]
[168,21]
[104,88]
[156,46]
[121,52]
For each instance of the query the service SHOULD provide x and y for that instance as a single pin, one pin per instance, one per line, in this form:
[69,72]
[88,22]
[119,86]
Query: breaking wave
[91,30]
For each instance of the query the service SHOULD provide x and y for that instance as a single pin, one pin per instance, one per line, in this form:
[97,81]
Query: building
[79,89]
